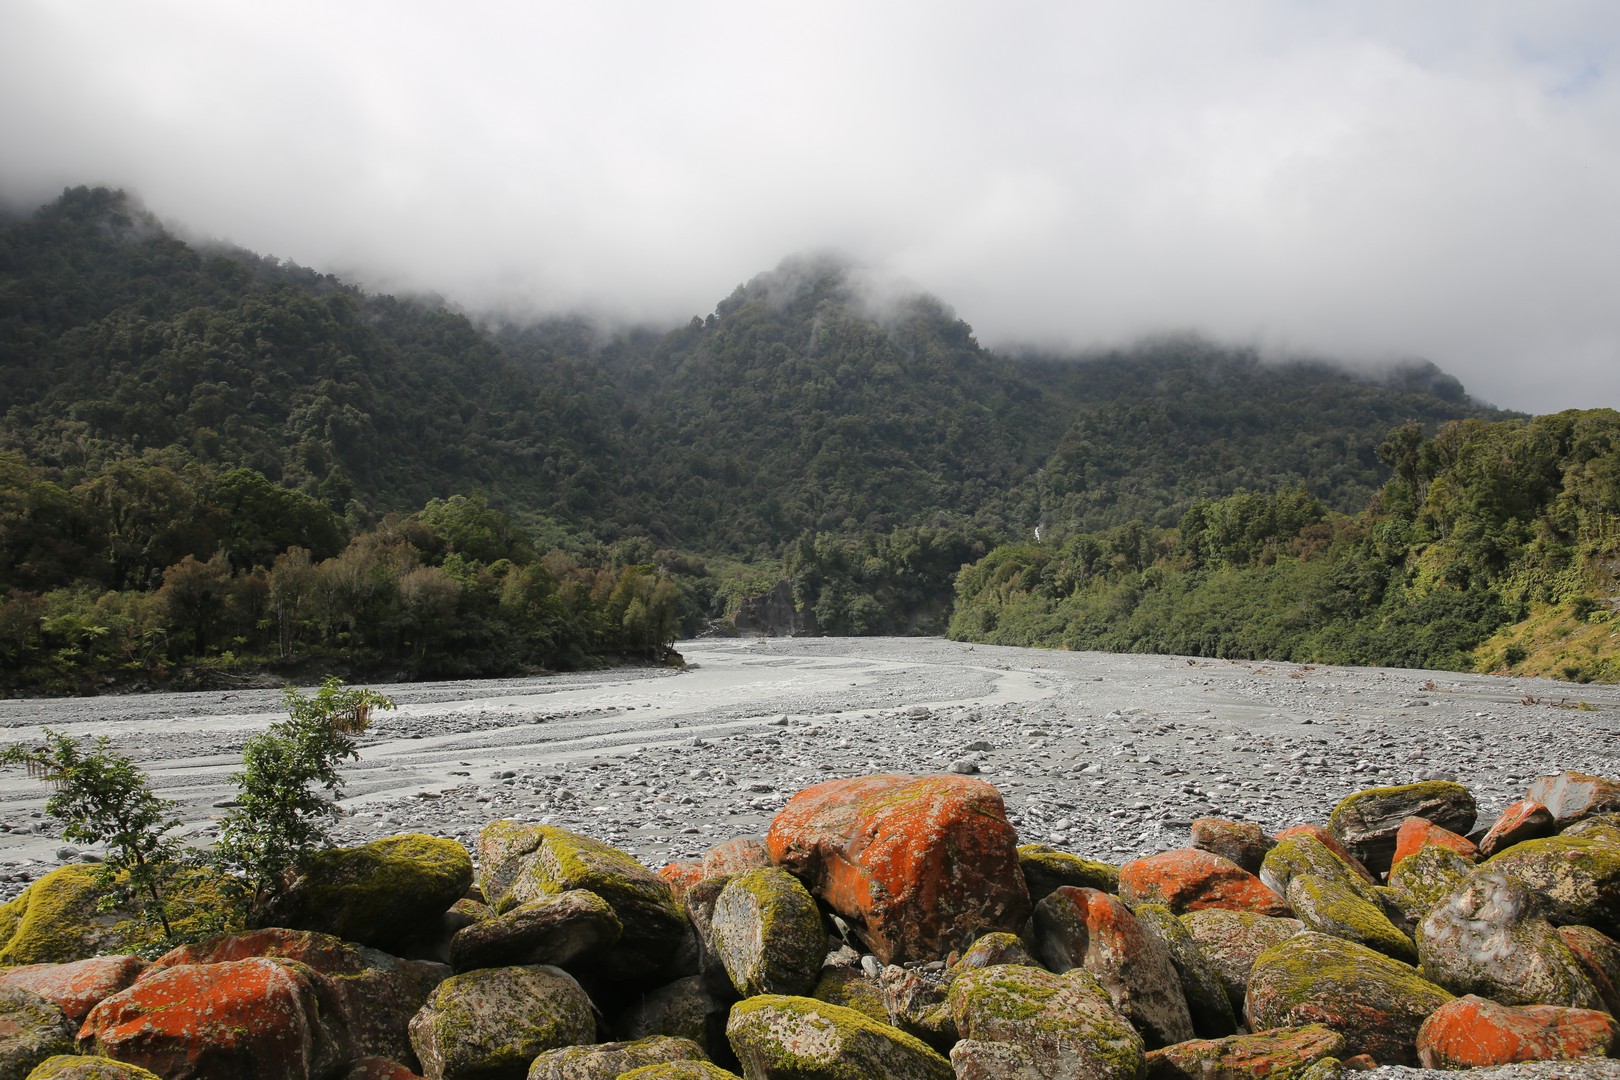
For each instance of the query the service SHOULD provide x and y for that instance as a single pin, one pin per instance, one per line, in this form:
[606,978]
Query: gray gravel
[1104,755]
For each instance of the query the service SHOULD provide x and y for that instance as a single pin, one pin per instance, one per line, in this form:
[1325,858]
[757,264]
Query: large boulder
[1571,796]
[522,863]
[1332,907]
[1332,843]
[920,866]
[795,1038]
[32,1029]
[1232,940]
[1490,939]
[1523,820]
[914,999]
[253,1019]
[608,1061]
[576,925]
[75,987]
[1279,1053]
[767,932]
[55,920]
[88,1067]
[1020,1021]
[683,1009]
[1046,868]
[1376,1003]
[1578,876]
[1306,853]
[368,998]
[1188,879]
[489,1024]
[1367,822]
[1242,842]
[1428,878]
[385,894]
[1599,955]
[1207,1000]
[1474,1032]
[1084,928]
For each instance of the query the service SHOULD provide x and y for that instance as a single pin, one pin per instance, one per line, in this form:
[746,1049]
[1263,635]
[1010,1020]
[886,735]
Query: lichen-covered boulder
[55,921]
[384,894]
[1207,1000]
[735,856]
[767,932]
[32,1029]
[489,1024]
[1604,827]
[1367,822]
[75,987]
[681,876]
[258,1018]
[1571,796]
[1242,842]
[680,1070]
[795,1038]
[1417,833]
[1429,877]
[915,1001]
[522,863]
[1046,868]
[1188,879]
[853,989]
[1490,939]
[1232,940]
[1332,907]
[1577,876]
[1332,844]
[1376,1003]
[1020,1021]
[87,1067]
[1305,853]
[1523,820]
[683,1009]
[1084,928]
[576,925]
[1474,1032]
[1599,955]
[993,949]
[370,996]
[918,865]
[608,1061]
[1278,1054]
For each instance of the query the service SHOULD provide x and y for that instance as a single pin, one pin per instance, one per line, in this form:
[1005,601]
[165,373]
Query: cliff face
[774,615]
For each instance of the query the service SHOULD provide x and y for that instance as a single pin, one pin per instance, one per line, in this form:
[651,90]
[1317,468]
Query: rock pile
[887,926]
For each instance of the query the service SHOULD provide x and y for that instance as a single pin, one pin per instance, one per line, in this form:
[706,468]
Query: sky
[1371,181]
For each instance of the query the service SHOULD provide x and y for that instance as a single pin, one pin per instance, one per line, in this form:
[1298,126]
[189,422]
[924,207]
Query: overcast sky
[1368,180]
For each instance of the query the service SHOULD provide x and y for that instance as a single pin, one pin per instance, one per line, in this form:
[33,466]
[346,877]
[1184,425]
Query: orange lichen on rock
[1473,1032]
[1417,833]
[1190,880]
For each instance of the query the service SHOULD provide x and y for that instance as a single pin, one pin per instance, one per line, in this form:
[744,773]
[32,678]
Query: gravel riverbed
[1105,755]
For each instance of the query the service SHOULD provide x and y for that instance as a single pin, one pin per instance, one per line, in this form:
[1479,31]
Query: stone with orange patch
[735,856]
[681,876]
[1417,833]
[257,1018]
[920,866]
[1474,1032]
[1287,1051]
[1191,880]
[1572,796]
[1522,820]
[76,987]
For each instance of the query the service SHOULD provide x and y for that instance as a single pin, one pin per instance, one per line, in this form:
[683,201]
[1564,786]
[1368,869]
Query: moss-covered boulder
[683,1009]
[1279,1054]
[1577,876]
[607,1061]
[1188,879]
[680,1070]
[1232,940]
[573,926]
[75,987]
[1367,822]
[385,894]
[1022,1021]
[489,1024]
[1242,842]
[1305,854]
[795,1038]
[31,1030]
[532,862]
[1088,929]
[1429,878]
[1489,938]
[914,998]
[1473,1032]
[766,929]
[1376,1003]
[85,1067]
[853,989]
[55,920]
[993,949]
[1207,1001]
[1331,907]
[372,1067]
[1046,868]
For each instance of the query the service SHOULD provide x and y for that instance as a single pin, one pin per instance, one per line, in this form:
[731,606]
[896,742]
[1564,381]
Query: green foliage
[281,817]
[101,797]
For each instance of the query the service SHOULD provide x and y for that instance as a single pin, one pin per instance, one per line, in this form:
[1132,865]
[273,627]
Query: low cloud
[1364,180]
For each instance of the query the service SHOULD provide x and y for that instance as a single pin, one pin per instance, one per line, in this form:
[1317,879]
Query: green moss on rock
[1330,907]
[1016,1018]
[56,920]
[1577,876]
[81,1067]
[783,1037]
[1046,868]
[767,931]
[680,1070]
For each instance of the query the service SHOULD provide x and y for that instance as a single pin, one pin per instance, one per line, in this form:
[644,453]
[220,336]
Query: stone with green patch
[491,1023]
[1232,940]
[777,1037]
[1429,876]
[680,1070]
[1046,868]
[1330,907]
[1577,876]
[607,1061]
[767,932]
[1367,822]
[31,1030]
[1017,1020]
[1279,1054]
[84,1067]
[1207,999]
[1303,854]
[570,927]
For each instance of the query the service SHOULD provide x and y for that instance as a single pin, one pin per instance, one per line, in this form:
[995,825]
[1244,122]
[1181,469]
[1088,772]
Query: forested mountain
[161,401]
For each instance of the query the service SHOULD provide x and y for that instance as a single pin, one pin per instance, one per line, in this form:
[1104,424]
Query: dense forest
[212,460]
